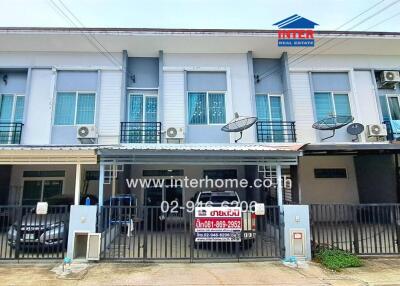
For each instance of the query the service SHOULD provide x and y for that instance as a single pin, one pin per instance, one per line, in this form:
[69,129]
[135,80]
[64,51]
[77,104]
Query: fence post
[145,233]
[281,218]
[355,230]
[18,239]
[192,237]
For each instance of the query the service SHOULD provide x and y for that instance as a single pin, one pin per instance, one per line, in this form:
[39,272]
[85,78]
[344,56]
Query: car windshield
[218,198]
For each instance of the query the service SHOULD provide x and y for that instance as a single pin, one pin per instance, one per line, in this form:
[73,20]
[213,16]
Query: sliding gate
[365,229]
[145,233]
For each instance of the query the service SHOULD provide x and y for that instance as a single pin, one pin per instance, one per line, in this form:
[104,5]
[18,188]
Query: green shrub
[336,259]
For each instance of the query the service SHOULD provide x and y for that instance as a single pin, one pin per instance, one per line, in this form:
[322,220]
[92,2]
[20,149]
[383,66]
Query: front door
[169,192]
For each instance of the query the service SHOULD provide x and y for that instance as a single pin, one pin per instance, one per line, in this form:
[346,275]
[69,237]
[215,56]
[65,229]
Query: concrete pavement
[375,272]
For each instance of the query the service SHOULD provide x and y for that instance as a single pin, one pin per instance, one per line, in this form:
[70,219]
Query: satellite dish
[332,123]
[355,129]
[238,124]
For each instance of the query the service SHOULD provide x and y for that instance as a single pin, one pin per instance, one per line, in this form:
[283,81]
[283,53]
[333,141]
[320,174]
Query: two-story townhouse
[156,100]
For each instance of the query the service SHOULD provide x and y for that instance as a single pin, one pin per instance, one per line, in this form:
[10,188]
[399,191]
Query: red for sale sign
[218,223]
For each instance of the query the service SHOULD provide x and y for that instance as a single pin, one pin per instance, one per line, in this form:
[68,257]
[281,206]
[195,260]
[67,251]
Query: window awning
[200,154]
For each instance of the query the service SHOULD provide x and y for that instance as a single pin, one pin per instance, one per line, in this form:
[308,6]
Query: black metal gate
[370,229]
[26,235]
[145,233]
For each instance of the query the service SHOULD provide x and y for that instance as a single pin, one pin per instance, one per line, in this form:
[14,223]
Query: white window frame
[144,95]
[269,95]
[332,94]
[15,95]
[395,95]
[42,180]
[207,107]
[76,107]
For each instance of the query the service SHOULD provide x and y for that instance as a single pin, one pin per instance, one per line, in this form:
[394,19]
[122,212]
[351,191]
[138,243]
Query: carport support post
[114,176]
[279,185]
[101,185]
[77,184]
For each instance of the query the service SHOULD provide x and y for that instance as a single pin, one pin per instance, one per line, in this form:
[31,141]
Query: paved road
[375,272]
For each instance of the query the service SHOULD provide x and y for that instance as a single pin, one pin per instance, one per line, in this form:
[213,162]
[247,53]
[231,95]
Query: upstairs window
[390,105]
[74,108]
[331,104]
[76,97]
[331,94]
[269,107]
[11,108]
[142,108]
[206,97]
[206,108]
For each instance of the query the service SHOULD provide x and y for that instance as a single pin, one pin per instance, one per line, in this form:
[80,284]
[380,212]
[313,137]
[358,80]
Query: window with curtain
[216,108]
[206,108]
[331,104]
[11,108]
[390,105]
[74,108]
[85,108]
[269,108]
[142,108]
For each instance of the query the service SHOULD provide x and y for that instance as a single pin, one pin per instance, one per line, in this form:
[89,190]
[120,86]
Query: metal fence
[276,131]
[145,234]
[26,235]
[10,133]
[370,229]
[140,132]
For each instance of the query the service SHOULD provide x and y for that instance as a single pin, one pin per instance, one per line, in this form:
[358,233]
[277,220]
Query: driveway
[375,272]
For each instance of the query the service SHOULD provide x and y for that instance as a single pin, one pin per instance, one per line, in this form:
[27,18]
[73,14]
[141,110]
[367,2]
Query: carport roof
[350,148]
[50,154]
[240,153]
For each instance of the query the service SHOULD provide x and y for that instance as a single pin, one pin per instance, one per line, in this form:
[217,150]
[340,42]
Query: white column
[77,184]
[279,185]
[114,176]
[101,185]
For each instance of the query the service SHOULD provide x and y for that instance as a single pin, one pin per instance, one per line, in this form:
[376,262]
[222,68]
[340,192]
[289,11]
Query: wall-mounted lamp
[5,79]
[133,78]
[257,77]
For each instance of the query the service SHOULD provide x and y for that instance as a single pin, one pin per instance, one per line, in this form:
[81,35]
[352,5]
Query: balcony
[276,131]
[140,132]
[10,133]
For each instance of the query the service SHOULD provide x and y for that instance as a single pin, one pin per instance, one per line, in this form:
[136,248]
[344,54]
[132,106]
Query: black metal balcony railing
[10,133]
[140,132]
[276,131]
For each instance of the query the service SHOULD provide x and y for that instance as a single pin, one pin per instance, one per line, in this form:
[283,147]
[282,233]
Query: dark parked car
[50,230]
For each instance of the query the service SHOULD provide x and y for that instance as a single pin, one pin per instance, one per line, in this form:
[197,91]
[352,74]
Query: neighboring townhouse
[79,120]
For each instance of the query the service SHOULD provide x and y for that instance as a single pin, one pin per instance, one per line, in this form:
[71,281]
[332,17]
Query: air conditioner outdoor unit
[376,130]
[174,134]
[390,76]
[86,133]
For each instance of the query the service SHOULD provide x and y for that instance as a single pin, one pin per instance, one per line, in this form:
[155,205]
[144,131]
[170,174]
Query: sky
[201,14]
